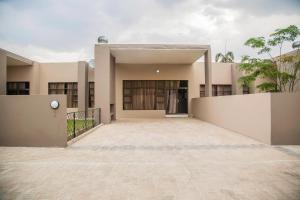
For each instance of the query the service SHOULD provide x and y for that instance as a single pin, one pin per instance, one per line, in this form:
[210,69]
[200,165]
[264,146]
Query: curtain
[172,96]
[150,95]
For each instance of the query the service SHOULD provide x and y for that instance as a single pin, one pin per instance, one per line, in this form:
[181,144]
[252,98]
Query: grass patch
[79,125]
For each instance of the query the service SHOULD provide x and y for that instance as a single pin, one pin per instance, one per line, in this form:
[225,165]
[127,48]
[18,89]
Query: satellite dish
[102,39]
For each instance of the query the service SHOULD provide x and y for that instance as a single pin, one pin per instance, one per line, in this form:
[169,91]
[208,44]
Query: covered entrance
[148,80]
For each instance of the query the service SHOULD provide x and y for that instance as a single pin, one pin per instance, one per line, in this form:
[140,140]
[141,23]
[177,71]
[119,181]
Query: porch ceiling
[157,54]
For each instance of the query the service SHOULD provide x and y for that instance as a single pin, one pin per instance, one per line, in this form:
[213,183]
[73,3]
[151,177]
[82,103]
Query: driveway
[164,159]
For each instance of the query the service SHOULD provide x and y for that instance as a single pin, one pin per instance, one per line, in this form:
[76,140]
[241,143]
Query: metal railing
[81,121]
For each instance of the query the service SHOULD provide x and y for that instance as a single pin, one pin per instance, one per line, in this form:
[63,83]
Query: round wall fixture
[157,71]
[54,104]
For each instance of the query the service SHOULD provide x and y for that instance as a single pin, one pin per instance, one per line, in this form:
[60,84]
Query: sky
[66,30]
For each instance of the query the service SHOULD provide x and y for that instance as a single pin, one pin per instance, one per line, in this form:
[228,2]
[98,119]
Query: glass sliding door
[169,95]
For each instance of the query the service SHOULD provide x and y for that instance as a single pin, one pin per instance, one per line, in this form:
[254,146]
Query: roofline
[154,46]
[16,57]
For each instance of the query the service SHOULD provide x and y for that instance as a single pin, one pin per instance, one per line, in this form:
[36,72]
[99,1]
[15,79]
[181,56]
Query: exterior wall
[249,115]
[29,121]
[285,118]
[221,74]
[91,73]
[272,118]
[26,73]
[57,72]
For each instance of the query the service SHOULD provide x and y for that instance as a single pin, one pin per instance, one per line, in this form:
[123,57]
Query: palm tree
[228,57]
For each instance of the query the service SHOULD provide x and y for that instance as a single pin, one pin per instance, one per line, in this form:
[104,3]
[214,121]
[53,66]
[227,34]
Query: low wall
[285,110]
[30,121]
[246,114]
[263,116]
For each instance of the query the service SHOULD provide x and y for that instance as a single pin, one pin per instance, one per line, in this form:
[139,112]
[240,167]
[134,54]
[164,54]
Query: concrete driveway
[153,159]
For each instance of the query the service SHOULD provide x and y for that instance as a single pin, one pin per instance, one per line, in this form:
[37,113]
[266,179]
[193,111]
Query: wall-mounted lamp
[157,71]
[54,104]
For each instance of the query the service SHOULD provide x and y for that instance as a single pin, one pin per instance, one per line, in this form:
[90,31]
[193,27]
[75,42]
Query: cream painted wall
[26,73]
[57,72]
[221,74]
[285,118]
[28,120]
[91,72]
[249,114]
[269,118]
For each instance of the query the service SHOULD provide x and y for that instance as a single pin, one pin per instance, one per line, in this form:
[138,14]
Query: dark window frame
[217,90]
[160,87]
[91,94]
[71,87]
[18,90]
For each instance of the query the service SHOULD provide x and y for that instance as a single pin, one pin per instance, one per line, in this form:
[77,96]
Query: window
[221,90]
[246,89]
[151,94]
[91,94]
[17,88]
[70,89]
[217,90]
[202,90]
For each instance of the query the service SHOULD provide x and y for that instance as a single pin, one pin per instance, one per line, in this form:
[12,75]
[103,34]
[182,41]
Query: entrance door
[182,101]
[177,98]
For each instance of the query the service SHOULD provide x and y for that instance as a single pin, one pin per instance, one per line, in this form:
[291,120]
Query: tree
[279,73]
[228,57]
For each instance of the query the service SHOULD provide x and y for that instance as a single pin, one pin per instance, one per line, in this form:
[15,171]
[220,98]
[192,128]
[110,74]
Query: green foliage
[275,75]
[225,58]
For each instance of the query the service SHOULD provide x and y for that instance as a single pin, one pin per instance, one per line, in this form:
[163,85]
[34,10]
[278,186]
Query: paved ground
[153,159]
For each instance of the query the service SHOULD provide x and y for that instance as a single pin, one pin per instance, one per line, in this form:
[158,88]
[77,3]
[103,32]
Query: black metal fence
[81,121]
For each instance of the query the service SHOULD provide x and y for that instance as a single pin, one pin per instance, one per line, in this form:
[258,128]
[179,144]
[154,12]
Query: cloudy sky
[66,30]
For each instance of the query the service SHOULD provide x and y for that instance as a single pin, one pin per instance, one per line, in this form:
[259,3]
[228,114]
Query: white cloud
[57,30]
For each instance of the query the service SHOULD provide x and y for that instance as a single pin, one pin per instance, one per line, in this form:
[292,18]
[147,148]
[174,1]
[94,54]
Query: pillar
[83,86]
[3,73]
[207,65]
[102,81]
[236,74]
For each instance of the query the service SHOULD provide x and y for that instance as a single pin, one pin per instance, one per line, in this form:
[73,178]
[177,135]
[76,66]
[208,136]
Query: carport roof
[156,53]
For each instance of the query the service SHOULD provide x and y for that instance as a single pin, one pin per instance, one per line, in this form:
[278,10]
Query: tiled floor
[153,159]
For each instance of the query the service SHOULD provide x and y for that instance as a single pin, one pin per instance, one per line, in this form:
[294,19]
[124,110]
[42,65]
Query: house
[128,80]
[138,81]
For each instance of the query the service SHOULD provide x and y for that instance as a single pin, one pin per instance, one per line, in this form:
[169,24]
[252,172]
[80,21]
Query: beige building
[136,80]
[127,80]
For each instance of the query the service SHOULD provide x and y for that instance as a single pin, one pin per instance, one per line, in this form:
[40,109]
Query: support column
[102,81]
[207,64]
[3,73]
[82,86]
[235,75]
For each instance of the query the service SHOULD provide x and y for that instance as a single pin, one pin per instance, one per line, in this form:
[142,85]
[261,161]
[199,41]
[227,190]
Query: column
[82,86]
[102,81]
[3,73]
[207,64]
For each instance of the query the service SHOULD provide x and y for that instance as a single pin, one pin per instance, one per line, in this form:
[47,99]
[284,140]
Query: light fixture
[54,104]
[157,71]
